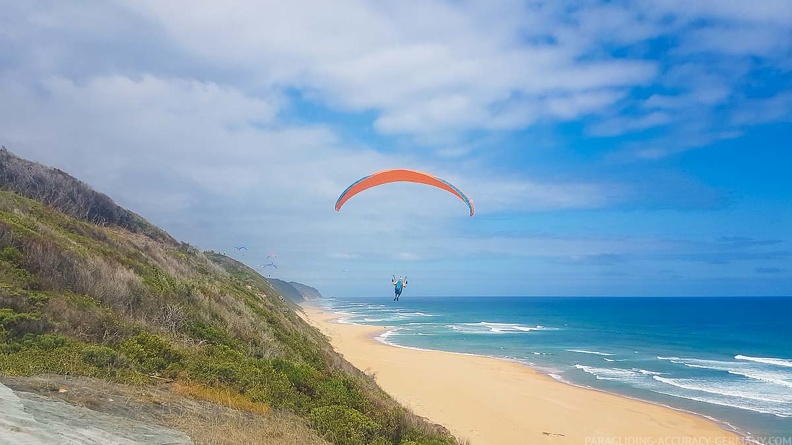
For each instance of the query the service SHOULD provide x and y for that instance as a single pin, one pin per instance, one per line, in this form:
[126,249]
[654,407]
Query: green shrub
[256,378]
[150,353]
[223,366]
[304,378]
[340,391]
[44,342]
[225,353]
[10,254]
[216,372]
[37,354]
[208,333]
[15,324]
[37,299]
[101,356]
[280,393]
[13,276]
[343,426]
[9,317]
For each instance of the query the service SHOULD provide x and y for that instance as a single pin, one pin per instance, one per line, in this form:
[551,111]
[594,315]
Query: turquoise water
[726,358]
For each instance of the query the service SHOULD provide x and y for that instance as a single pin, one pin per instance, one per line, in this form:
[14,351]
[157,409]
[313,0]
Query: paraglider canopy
[401,175]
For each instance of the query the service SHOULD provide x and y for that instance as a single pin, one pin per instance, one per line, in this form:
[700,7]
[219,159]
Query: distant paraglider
[270,264]
[400,175]
[240,248]
[272,255]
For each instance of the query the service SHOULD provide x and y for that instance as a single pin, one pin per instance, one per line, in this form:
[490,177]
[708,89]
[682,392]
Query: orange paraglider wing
[400,175]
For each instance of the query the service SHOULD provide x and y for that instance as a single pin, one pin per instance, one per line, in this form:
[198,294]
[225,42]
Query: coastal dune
[496,402]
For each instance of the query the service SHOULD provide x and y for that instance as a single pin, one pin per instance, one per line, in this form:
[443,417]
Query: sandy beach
[496,402]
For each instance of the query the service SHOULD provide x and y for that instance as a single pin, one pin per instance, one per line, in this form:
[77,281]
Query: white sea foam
[616,374]
[407,315]
[724,388]
[776,378]
[509,327]
[728,394]
[384,316]
[557,377]
[386,335]
[584,351]
[486,327]
[787,363]
[755,370]
[732,404]
[345,320]
[750,395]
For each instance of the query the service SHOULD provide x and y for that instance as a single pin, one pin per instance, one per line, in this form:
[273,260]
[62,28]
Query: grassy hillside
[90,289]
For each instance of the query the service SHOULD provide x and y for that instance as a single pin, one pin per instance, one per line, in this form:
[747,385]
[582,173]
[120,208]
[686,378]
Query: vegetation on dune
[90,289]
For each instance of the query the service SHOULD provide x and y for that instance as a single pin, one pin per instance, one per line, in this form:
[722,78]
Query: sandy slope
[496,402]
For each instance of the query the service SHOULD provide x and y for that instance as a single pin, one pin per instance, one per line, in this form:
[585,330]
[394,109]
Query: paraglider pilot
[399,286]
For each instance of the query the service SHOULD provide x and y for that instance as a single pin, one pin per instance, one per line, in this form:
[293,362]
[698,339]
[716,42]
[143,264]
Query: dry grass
[275,429]
[221,396]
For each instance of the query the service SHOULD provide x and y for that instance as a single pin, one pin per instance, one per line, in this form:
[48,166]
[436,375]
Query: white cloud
[423,67]
[192,113]
[428,69]
[739,41]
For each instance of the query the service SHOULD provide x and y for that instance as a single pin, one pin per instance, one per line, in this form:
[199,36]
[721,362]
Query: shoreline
[724,425]
[491,400]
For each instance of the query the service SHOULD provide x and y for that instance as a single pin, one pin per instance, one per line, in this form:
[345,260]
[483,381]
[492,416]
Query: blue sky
[611,148]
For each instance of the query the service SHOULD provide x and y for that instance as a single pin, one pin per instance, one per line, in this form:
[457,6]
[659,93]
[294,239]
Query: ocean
[729,359]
